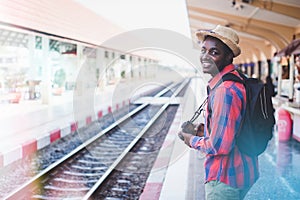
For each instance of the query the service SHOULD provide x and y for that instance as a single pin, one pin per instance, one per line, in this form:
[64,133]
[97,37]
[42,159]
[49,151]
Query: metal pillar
[46,82]
[259,69]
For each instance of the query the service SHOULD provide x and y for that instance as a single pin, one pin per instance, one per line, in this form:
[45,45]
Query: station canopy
[264,26]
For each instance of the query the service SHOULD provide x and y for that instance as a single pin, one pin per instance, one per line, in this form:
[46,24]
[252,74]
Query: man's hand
[186,137]
[200,130]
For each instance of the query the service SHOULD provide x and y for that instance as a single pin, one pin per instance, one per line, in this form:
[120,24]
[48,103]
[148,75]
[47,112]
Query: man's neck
[220,69]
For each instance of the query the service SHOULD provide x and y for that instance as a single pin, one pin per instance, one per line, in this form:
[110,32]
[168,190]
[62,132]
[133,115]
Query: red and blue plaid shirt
[224,162]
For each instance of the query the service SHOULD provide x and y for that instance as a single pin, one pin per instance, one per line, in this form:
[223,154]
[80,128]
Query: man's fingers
[181,136]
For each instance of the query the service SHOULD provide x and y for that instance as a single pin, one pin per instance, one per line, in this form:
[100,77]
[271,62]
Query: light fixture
[237,5]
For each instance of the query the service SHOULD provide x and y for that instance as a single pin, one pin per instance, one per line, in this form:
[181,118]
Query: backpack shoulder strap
[233,77]
[242,80]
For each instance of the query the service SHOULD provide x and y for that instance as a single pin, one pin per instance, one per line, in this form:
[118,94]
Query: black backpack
[257,124]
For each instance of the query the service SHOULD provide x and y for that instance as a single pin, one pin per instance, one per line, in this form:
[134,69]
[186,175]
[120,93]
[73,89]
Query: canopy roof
[264,27]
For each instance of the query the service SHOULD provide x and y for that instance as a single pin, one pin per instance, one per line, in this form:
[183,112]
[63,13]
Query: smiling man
[229,174]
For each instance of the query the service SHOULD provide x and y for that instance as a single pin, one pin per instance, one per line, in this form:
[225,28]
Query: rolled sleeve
[196,142]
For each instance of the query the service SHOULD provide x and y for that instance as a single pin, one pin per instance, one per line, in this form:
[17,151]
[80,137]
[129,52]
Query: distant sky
[135,14]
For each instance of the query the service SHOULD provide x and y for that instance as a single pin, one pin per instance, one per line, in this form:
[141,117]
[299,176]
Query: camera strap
[199,110]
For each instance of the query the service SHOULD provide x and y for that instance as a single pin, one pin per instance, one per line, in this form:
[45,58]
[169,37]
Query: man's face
[213,56]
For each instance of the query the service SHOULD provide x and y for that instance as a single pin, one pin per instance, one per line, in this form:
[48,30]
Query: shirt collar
[212,83]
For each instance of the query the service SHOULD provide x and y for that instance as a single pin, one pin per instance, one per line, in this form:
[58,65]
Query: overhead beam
[284,31]
[282,39]
[265,34]
[264,47]
[207,19]
[289,10]
[271,36]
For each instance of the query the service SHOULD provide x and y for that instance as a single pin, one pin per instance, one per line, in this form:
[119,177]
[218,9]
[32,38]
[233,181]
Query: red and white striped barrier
[30,146]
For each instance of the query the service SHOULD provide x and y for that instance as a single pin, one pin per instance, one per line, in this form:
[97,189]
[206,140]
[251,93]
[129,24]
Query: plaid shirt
[224,111]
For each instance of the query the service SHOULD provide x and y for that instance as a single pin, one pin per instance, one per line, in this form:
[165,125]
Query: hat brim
[234,47]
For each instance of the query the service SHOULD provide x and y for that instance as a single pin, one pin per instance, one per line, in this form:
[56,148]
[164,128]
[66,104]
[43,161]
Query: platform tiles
[33,140]
[170,168]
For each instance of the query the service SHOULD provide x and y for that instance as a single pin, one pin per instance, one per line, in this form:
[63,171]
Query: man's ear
[229,57]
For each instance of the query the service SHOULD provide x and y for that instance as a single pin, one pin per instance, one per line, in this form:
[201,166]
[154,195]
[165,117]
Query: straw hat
[227,35]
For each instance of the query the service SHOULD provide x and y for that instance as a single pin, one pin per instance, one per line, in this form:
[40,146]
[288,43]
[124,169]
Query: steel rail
[131,145]
[32,182]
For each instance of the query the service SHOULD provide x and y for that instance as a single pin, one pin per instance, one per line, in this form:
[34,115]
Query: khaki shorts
[216,190]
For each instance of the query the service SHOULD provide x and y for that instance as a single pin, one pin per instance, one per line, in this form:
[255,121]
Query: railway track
[82,173]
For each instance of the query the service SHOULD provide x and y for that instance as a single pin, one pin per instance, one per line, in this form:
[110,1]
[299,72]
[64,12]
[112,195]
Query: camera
[187,127]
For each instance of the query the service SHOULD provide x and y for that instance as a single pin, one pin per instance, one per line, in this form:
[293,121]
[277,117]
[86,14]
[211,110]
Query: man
[229,174]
